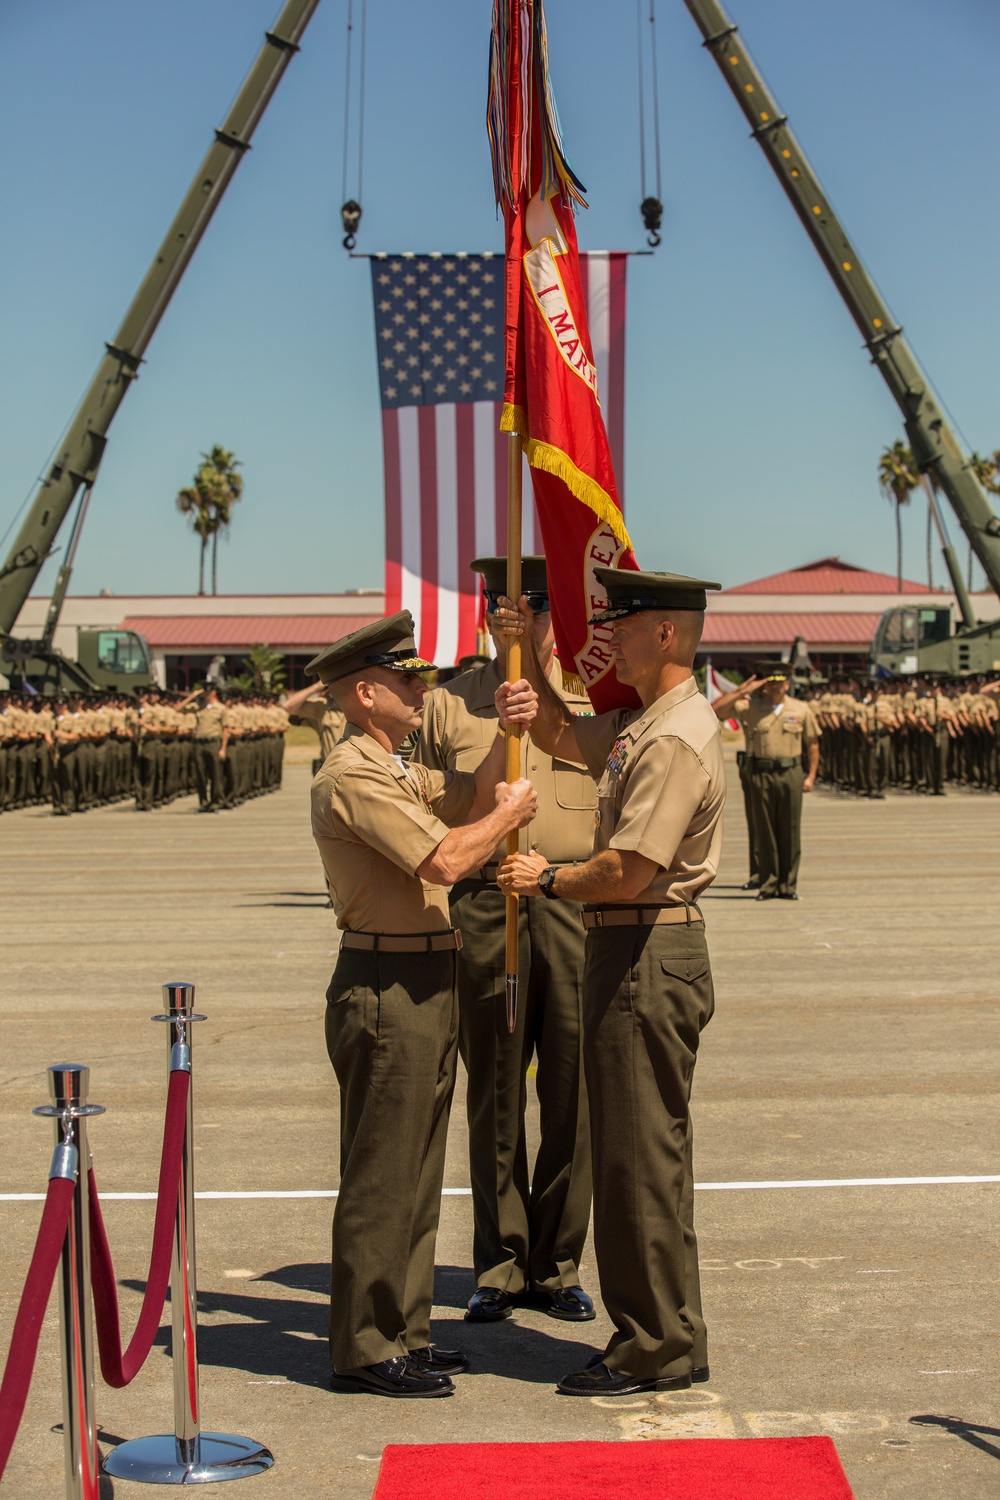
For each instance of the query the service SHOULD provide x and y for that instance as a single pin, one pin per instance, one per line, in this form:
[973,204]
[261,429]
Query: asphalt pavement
[856,1036]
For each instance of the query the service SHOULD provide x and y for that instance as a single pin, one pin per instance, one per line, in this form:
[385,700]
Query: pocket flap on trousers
[688,969]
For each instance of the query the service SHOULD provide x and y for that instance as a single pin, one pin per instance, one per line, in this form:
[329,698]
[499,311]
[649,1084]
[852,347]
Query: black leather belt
[761,763]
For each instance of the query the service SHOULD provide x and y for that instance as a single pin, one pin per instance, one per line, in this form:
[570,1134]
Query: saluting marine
[776,727]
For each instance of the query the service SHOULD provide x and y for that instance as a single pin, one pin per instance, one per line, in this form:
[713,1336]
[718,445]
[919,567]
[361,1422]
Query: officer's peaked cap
[494,570]
[630,592]
[773,671]
[386,643]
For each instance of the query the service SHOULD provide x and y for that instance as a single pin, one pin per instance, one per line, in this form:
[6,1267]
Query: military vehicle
[120,658]
[908,639]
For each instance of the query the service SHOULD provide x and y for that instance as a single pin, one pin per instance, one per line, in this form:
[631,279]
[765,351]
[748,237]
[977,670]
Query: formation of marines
[853,737]
[621,830]
[915,736]
[89,750]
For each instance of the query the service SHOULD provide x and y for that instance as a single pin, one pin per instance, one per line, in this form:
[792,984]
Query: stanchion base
[165,1460]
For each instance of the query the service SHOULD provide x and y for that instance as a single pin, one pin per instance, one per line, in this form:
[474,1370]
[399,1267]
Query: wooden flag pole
[514,451]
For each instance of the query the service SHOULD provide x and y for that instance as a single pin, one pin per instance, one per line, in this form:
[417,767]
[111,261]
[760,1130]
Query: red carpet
[664,1469]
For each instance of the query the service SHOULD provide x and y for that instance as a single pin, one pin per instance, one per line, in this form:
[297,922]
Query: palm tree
[195,502]
[208,501]
[263,671]
[220,466]
[898,477]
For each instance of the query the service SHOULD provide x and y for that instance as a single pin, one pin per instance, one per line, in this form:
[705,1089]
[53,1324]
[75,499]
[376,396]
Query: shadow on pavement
[286,1338]
[283,1338]
[967,1431]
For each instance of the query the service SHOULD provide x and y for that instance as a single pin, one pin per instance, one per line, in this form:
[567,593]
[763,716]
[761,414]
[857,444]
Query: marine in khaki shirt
[383,832]
[648,984]
[375,821]
[662,787]
[780,735]
[310,706]
[531,1211]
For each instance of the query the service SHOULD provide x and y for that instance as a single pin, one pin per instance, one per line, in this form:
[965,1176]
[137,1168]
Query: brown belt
[640,916]
[417,942]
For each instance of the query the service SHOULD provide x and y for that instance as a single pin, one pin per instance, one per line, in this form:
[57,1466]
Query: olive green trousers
[530,1225]
[392,1035]
[777,813]
[647,995]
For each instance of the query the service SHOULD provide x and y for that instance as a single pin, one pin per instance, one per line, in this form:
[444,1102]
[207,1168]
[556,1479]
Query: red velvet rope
[120,1368]
[34,1300]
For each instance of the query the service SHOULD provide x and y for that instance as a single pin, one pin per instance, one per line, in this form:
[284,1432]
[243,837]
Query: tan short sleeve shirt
[209,721]
[459,726]
[777,735]
[375,821]
[662,790]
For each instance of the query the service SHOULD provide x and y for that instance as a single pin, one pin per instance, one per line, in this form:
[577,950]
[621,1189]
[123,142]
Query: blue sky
[754,421]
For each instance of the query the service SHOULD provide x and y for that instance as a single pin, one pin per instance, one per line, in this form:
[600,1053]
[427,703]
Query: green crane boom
[935,446]
[79,456]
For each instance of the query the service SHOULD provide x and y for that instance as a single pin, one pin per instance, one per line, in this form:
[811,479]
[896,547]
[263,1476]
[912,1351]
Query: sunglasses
[537,603]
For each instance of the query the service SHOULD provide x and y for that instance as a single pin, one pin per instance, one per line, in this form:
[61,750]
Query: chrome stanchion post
[188,1455]
[68,1088]
[179,1001]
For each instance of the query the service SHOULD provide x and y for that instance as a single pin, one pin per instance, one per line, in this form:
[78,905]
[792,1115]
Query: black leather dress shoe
[598,1380]
[488,1304]
[700,1374]
[392,1377]
[766,895]
[436,1361]
[788,896]
[750,885]
[570,1303]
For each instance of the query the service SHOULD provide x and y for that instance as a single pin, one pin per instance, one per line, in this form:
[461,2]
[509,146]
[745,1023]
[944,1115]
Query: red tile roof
[828,576]
[178,633]
[829,628]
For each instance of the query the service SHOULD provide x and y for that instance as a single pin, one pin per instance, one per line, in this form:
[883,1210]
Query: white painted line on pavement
[464,1192]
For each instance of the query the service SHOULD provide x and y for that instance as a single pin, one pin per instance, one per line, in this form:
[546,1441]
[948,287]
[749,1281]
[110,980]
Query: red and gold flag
[550,394]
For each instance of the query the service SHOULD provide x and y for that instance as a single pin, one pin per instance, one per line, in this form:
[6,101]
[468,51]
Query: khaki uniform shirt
[885,712]
[13,725]
[328,722]
[210,721]
[100,724]
[375,821]
[662,789]
[779,736]
[459,726]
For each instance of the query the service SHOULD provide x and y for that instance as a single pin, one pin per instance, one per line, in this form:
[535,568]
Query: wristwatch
[546,882]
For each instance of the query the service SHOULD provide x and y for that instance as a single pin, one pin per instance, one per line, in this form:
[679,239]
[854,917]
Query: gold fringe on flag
[588,491]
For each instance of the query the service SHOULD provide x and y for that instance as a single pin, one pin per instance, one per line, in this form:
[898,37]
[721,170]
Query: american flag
[439,333]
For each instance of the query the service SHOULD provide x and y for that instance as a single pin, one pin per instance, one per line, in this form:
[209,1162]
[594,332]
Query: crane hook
[652,216]
[350,215]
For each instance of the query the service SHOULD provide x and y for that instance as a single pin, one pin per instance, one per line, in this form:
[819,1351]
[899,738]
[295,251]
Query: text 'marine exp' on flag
[439,323]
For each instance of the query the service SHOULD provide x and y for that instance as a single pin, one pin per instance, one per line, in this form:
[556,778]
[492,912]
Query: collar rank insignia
[619,755]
